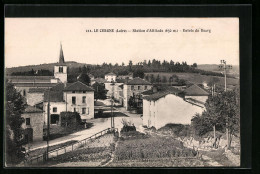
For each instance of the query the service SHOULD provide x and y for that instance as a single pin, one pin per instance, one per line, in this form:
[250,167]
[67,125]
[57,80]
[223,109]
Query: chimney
[155,89]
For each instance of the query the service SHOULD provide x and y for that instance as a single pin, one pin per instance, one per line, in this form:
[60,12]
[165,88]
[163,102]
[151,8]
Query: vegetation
[222,112]
[127,126]
[70,119]
[100,91]
[41,72]
[14,107]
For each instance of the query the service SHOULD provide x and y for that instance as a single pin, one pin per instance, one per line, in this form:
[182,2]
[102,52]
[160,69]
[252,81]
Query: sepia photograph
[122,92]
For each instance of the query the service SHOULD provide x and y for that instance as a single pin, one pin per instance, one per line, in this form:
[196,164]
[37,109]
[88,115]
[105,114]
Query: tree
[152,80]
[14,107]
[84,78]
[139,73]
[130,65]
[100,91]
[194,65]
[164,79]
[158,79]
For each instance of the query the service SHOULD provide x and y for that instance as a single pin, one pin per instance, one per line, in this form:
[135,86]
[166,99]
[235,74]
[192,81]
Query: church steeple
[61,59]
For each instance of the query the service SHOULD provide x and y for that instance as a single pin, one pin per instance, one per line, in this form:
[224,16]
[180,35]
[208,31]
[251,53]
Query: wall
[61,76]
[34,98]
[110,89]
[89,105]
[129,92]
[110,78]
[169,109]
[61,107]
[36,120]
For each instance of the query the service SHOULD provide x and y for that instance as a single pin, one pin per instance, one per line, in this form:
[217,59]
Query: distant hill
[215,68]
[46,66]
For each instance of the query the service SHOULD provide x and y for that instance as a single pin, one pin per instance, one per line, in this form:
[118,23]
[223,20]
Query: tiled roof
[195,90]
[30,79]
[121,80]
[162,91]
[35,84]
[37,90]
[138,81]
[55,96]
[78,86]
[100,80]
[111,74]
[31,109]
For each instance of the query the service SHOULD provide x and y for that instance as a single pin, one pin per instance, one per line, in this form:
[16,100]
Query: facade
[134,88]
[110,77]
[126,77]
[35,96]
[163,107]
[33,124]
[75,97]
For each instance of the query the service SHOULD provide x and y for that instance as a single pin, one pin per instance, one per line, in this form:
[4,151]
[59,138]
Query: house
[134,88]
[33,125]
[74,97]
[196,95]
[128,76]
[167,105]
[98,80]
[110,77]
[23,84]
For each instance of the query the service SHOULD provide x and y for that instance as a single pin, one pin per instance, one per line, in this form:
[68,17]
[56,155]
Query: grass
[198,78]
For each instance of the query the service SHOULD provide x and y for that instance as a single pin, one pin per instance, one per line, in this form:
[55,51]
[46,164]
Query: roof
[195,90]
[55,96]
[121,80]
[37,90]
[162,92]
[61,58]
[100,80]
[46,85]
[138,81]
[78,86]
[31,109]
[110,74]
[30,79]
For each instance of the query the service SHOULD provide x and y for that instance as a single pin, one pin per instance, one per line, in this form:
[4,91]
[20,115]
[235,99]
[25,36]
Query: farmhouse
[110,77]
[167,105]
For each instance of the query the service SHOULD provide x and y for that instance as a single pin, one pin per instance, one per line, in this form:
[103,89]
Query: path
[98,125]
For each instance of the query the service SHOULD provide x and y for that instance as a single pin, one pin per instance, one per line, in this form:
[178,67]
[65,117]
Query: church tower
[60,69]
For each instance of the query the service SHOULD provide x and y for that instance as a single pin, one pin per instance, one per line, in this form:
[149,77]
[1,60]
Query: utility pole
[224,67]
[48,125]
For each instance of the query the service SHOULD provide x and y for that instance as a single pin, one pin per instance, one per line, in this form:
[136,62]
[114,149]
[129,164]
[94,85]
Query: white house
[75,97]
[196,95]
[110,77]
[166,106]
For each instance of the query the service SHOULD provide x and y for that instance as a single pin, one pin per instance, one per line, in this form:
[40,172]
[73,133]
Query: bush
[71,119]
[127,126]
[177,129]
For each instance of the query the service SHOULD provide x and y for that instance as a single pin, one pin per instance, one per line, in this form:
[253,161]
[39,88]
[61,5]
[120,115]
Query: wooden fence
[68,148]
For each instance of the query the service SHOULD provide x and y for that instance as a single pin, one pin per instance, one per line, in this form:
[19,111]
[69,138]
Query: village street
[99,124]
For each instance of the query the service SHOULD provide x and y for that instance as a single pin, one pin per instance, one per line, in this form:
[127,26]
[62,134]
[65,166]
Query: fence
[59,151]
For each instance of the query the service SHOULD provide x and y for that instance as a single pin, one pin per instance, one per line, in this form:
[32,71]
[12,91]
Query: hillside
[215,68]
[46,66]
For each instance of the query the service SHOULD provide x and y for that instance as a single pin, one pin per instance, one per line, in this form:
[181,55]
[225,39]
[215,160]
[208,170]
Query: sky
[32,41]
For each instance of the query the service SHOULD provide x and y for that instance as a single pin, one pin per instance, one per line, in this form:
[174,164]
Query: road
[98,125]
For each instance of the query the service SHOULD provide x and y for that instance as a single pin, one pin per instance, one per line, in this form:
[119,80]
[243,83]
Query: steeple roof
[61,58]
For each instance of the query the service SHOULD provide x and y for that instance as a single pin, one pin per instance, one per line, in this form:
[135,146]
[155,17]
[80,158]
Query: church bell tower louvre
[60,69]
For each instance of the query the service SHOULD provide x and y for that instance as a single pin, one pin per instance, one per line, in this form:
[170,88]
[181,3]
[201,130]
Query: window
[24,92]
[138,87]
[83,110]
[28,121]
[73,91]
[84,91]
[73,100]
[132,87]
[54,109]
[145,87]
[75,110]
[84,99]
[61,69]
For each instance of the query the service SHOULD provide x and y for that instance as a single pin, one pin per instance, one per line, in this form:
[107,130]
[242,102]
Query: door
[55,118]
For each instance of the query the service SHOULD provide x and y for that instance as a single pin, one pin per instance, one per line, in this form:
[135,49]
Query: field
[197,78]
[153,151]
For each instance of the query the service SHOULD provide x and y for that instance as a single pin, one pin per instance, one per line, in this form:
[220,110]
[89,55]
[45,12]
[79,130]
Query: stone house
[33,125]
[167,106]
[134,88]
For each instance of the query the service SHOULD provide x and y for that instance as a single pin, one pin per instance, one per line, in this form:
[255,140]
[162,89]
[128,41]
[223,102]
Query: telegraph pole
[48,124]
[224,67]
